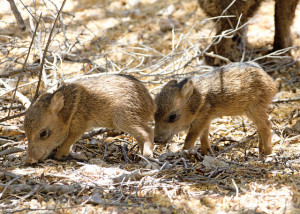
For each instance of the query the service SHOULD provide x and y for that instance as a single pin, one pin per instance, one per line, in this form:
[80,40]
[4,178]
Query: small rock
[168,24]
[211,163]
[166,11]
[275,138]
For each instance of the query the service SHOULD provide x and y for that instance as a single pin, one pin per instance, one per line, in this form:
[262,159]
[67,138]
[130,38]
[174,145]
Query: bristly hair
[182,82]
[128,77]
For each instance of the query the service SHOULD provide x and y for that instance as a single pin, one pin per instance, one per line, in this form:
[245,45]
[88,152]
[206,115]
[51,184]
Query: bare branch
[17,15]
[45,52]
[23,68]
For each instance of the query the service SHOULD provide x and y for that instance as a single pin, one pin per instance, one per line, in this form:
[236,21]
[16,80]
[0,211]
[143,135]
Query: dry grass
[104,173]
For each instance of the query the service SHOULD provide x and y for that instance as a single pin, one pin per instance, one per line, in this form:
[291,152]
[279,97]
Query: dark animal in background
[284,15]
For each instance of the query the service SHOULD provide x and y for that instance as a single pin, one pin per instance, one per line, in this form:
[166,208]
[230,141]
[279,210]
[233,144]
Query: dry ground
[104,173]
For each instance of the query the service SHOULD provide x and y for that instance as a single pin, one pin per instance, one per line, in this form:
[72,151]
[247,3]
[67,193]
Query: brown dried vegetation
[103,173]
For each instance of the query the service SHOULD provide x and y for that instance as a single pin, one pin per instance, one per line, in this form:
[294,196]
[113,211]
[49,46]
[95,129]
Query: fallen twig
[234,145]
[94,133]
[134,176]
[12,117]
[11,151]
[286,100]
[31,68]
[24,100]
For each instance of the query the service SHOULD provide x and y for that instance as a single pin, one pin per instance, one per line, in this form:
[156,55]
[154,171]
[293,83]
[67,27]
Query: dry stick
[24,100]
[11,151]
[234,145]
[31,68]
[17,15]
[6,186]
[12,117]
[286,100]
[24,64]
[45,51]
[28,10]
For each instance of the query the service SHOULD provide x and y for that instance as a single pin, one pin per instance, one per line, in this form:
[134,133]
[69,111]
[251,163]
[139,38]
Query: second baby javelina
[234,89]
[113,101]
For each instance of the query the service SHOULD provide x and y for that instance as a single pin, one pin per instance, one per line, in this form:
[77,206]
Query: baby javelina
[191,104]
[115,101]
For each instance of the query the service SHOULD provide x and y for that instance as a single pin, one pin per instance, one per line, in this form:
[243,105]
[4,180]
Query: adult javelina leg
[214,8]
[284,15]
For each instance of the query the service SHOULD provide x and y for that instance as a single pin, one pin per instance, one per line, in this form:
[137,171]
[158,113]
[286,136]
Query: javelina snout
[235,89]
[174,113]
[113,101]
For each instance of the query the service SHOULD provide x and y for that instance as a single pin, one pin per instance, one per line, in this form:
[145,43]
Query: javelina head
[177,104]
[45,127]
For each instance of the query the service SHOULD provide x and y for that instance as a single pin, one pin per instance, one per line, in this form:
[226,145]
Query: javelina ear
[172,83]
[186,88]
[57,102]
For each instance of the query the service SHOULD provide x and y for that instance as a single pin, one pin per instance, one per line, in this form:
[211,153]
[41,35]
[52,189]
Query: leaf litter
[104,172]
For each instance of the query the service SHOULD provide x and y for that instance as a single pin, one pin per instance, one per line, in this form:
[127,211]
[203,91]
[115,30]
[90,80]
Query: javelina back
[114,101]
[284,15]
[235,89]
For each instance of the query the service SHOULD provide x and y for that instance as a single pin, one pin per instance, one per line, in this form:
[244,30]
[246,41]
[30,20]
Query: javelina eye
[44,134]
[173,117]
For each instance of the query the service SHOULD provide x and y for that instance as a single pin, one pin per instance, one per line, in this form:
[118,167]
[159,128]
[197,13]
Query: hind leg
[260,119]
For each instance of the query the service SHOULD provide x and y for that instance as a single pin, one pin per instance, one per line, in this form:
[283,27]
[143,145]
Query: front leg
[198,127]
[205,147]
[63,149]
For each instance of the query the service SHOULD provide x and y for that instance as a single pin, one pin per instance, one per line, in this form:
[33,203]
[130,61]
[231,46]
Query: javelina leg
[284,15]
[205,147]
[260,119]
[144,136]
[195,130]
[63,149]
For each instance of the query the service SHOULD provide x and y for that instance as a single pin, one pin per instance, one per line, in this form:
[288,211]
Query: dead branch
[12,117]
[24,100]
[31,68]
[11,151]
[234,145]
[24,64]
[10,130]
[286,100]
[94,133]
[45,188]
[17,15]
[45,52]
[134,176]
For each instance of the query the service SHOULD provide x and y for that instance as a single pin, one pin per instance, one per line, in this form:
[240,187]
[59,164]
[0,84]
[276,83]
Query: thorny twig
[24,64]
[45,52]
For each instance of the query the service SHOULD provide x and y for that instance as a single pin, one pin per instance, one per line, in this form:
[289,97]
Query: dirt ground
[104,172]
